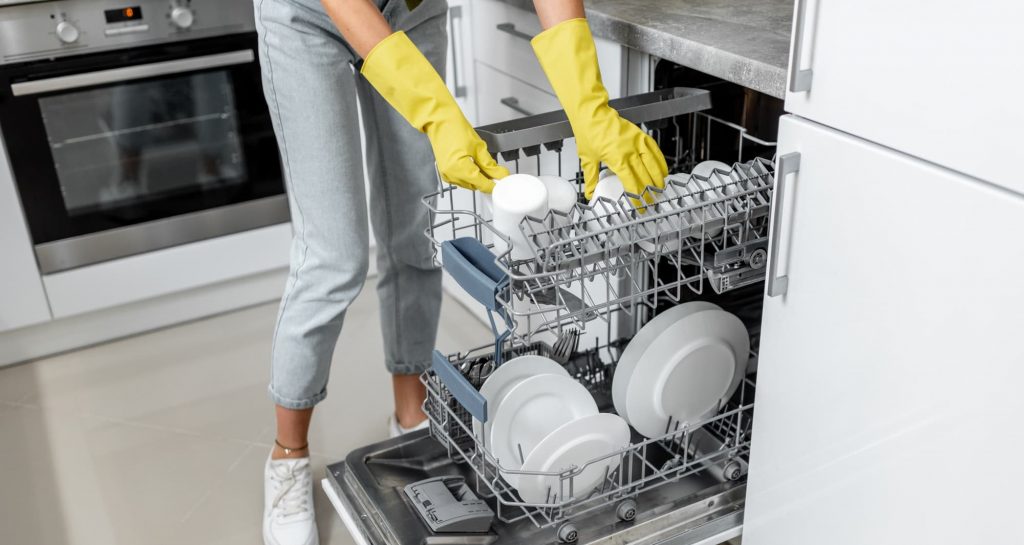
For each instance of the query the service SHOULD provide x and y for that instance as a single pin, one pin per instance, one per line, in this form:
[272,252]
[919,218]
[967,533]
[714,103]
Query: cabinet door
[22,300]
[888,405]
[937,79]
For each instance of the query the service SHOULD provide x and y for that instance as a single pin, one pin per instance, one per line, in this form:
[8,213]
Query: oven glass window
[138,142]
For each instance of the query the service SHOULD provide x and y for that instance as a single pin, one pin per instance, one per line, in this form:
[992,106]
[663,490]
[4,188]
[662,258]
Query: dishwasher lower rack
[718,446]
[599,258]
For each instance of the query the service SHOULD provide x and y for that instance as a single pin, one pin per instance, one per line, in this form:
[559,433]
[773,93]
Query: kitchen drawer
[507,50]
[501,39]
[502,97]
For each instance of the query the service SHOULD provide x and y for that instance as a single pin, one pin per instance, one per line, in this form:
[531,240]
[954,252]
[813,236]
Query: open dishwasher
[596,274]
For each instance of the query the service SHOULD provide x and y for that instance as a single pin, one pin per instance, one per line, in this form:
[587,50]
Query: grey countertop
[743,41]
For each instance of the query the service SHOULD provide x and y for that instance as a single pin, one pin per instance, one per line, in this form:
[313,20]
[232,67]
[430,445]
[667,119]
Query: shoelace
[291,481]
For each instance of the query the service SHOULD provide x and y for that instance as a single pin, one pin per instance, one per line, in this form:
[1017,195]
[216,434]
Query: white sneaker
[396,430]
[288,517]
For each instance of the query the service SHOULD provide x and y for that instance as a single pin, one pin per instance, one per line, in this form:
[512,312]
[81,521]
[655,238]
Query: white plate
[504,378]
[694,364]
[574,444]
[534,408]
[639,344]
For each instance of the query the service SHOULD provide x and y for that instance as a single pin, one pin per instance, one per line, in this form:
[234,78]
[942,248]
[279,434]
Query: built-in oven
[134,127]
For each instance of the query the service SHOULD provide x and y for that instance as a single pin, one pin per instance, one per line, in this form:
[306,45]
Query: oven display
[122,15]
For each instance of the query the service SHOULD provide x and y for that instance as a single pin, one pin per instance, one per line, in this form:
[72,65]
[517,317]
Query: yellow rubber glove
[405,78]
[567,53]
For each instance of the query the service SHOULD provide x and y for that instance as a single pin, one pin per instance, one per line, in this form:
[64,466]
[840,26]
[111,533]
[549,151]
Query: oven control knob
[182,17]
[67,32]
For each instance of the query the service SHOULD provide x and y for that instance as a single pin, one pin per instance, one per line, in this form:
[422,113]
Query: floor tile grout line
[170,429]
[19,404]
[216,484]
[177,431]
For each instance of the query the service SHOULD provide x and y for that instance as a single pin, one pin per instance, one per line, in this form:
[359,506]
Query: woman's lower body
[311,86]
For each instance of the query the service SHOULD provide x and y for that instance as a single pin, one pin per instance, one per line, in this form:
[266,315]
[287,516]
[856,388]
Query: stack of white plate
[542,420]
[680,368]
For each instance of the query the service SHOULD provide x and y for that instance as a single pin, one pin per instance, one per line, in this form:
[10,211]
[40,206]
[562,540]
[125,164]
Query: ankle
[410,419]
[283,451]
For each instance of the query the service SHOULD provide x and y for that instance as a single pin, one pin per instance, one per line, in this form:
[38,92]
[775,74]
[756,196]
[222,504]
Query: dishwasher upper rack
[604,257]
[719,443]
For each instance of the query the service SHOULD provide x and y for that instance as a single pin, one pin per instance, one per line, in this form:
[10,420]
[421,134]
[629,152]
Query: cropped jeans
[311,82]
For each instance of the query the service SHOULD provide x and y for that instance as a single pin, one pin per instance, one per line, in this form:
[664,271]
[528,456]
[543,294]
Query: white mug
[514,198]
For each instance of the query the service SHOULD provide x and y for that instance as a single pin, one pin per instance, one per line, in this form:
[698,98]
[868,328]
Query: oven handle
[115,75]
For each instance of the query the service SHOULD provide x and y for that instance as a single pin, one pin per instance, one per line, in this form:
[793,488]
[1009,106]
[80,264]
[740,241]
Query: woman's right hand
[404,77]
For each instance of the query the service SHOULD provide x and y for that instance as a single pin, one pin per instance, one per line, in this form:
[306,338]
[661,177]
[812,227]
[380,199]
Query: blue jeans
[311,85]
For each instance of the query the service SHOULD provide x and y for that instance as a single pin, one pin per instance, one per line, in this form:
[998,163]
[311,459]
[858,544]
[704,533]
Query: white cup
[561,196]
[605,214]
[609,187]
[514,198]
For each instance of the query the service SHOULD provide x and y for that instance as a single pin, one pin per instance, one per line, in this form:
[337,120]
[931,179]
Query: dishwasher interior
[595,275]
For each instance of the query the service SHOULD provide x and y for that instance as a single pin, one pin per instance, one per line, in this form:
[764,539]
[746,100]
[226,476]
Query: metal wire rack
[601,262]
[599,258]
[720,443]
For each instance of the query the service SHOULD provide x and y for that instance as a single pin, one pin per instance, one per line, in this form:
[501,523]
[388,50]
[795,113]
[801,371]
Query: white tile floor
[161,438]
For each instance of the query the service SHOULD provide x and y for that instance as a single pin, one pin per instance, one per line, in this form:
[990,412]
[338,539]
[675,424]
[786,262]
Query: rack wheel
[567,533]
[758,258]
[626,511]
[732,471]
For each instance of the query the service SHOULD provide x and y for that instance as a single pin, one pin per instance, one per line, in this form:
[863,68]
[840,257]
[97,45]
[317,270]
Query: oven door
[125,152]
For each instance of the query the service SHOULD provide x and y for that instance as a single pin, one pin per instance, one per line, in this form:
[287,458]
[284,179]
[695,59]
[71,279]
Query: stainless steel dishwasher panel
[368,486]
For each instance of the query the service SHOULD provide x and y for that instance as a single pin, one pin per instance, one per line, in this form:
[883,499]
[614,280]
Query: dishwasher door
[367,491]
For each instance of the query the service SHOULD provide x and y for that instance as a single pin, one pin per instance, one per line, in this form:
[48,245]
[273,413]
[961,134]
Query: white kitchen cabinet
[159,273]
[22,299]
[503,97]
[887,402]
[501,40]
[933,79]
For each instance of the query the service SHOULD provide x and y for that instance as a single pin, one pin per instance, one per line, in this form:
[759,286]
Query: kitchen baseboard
[82,330]
[91,328]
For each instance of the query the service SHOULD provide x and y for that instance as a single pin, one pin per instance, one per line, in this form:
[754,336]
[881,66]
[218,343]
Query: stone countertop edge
[749,56]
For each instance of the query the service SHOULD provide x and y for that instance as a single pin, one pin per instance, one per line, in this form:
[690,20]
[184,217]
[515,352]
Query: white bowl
[561,193]
[609,187]
[514,198]
[707,168]
[562,198]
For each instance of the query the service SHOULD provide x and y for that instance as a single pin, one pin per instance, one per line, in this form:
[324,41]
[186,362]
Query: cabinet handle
[788,164]
[510,28]
[799,80]
[513,103]
[455,13]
